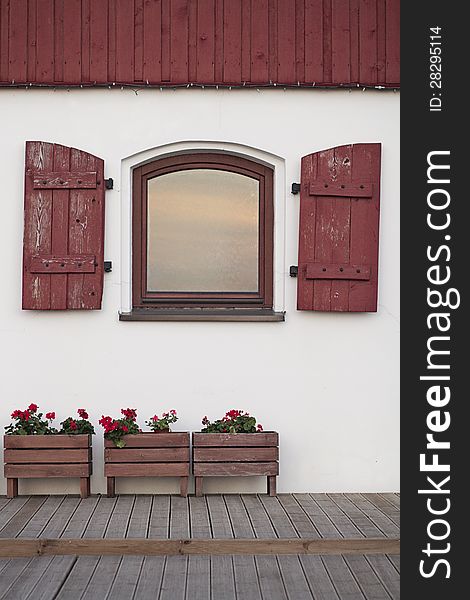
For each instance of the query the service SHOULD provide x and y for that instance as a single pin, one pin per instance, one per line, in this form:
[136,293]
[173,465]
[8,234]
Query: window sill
[203,314]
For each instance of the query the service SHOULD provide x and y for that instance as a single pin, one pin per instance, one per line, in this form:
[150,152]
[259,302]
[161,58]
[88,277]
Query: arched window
[202,233]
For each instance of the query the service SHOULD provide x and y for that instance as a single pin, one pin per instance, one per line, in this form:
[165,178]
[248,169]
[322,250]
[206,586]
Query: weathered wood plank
[222,578]
[270,579]
[365,576]
[179,518]
[21,518]
[384,523]
[103,578]
[146,469]
[63,180]
[174,578]
[394,499]
[344,525]
[318,578]
[198,585]
[246,578]
[59,519]
[13,506]
[228,469]
[360,520]
[15,547]
[153,440]
[159,525]
[278,517]
[387,574]
[385,507]
[13,570]
[61,264]
[50,470]
[126,578]
[78,578]
[236,454]
[46,441]
[120,516]
[53,577]
[395,560]
[140,517]
[341,576]
[219,519]
[293,577]
[47,456]
[236,439]
[238,515]
[79,520]
[4,502]
[34,527]
[199,518]
[150,578]
[322,522]
[301,523]
[141,455]
[24,584]
[260,522]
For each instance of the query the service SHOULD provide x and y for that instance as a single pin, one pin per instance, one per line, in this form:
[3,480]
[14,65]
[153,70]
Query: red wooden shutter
[63,228]
[339,229]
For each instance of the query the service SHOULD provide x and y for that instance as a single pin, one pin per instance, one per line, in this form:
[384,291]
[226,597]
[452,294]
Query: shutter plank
[232,41]
[60,228]
[205,40]
[259,41]
[179,41]
[17,41]
[37,226]
[73,41]
[99,41]
[338,232]
[152,41]
[340,42]
[313,41]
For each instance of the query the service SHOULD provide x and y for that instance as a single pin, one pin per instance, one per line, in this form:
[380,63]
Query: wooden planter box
[216,454]
[148,455]
[32,456]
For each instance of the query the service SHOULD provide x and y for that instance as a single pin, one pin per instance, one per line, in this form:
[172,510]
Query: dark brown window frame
[154,304]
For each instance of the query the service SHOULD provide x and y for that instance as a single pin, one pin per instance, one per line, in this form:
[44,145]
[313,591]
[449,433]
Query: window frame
[141,297]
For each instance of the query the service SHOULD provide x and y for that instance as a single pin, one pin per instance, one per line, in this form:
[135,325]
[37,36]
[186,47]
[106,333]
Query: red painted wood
[267,438]
[62,223]
[314,41]
[205,40]
[339,232]
[232,42]
[30,442]
[222,469]
[152,55]
[345,189]
[340,42]
[17,40]
[146,469]
[236,454]
[200,41]
[73,47]
[47,456]
[286,42]
[147,455]
[48,470]
[259,41]
[172,439]
[392,41]
[368,42]
[179,41]
[99,41]
[124,41]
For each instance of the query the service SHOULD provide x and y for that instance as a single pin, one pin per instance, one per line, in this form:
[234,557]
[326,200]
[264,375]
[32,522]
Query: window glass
[202,232]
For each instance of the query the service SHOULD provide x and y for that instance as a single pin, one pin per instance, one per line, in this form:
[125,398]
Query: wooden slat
[278,517]
[260,521]
[60,228]
[368,41]
[174,578]
[77,578]
[16,547]
[246,577]
[383,522]
[286,42]
[73,46]
[325,526]
[124,41]
[141,455]
[199,518]
[259,41]
[146,469]
[48,470]
[47,511]
[126,578]
[179,40]
[360,520]
[13,571]
[198,583]
[232,41]
[342,577]
[236,439]
[17,41]
[99,41]
[46,441]
[226,468]
[219,519]
[340,41]
[386,573]
[152,70]
[79,519]
[346,190]
[61,265]
[300,521]
[150,578]
[63,179]
[179,517]
[318,578]
[45,41]
[140,517]
[365,576]
[393,499]
[27,581]
[21,518]
[86,40]
[344,525]
[102,579]
[61,518]
[160,517]
[222,581]
[337,271]
[205,40]
[238,515]
[270,579]
[293,577]
[138,40]
[153,440]
[236,454]
[392,41]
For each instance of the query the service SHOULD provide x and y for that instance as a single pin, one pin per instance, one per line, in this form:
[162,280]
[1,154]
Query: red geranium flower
[260,427]
[50,416]
[16,414]
[73,425]
[82,413]
[33,407]
[129,413]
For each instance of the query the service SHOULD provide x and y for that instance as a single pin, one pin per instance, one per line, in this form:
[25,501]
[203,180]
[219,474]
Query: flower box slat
[235,468]
[46,441]
[140,455]
[35,456]
[48,470]
[148,455]
[236,454]
[262,439]
[66,455]
[173,439]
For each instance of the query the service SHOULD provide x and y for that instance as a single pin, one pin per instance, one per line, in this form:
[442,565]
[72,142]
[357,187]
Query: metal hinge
[108,266]
[294,271]
[295,189]
[109,183]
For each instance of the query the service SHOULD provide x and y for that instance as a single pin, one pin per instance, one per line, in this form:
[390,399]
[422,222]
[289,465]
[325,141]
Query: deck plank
[365,576]
[295,583]
[360,520]
[384,523]
[260,522]
[80,518]
[222,578]
[179,518]
[159,525]
[384,506]
[4,502]
[395,560]
[126,579]
[103,577]
[246,578]
[300,521]
[150,578]
[270,580]
[341,521]
[318,578]
[119,519]
[342,578]
[221,526]
[198,586]
[199,518]
[140,517]
[52,578]
[22,517]
[61,518]
[174,578]
[321,521]
[10,509]
[43,516]
[394,499]
[277,515]
[240,521]
[22,587]
[12,571]
[386,573]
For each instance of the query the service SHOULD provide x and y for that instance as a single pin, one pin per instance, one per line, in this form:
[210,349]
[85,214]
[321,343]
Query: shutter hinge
[293,270]
[108,266]
[295,189]
[109,183]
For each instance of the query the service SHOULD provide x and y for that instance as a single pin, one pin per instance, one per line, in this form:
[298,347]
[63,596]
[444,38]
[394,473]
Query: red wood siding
[63,228]
[211,42]
[339,229]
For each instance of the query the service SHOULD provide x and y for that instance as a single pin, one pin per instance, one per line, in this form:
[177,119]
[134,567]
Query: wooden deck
[347,525]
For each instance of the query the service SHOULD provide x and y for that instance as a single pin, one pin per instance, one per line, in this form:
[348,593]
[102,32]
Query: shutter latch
[295,189]
[293,270]
[109,183]
[108,266]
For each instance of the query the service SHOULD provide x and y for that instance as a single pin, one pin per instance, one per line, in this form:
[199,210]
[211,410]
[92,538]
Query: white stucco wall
[327,382]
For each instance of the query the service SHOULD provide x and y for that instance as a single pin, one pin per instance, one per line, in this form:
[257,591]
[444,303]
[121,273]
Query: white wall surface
[327,382]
